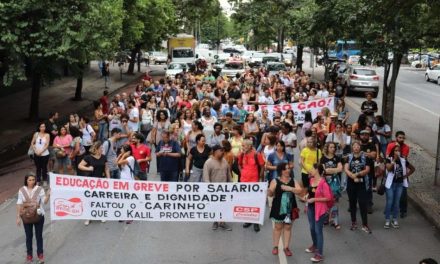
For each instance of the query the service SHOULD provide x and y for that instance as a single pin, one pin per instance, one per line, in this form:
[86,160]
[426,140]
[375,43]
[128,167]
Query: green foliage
[215,28]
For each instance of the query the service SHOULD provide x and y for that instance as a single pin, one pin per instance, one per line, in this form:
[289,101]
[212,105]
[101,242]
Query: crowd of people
[199,130]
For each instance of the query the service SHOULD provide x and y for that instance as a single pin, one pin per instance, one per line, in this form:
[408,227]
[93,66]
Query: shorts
[285,220]
[64,162]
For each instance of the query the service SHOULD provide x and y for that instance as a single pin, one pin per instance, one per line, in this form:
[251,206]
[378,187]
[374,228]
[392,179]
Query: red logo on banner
[64,207]
[247,213]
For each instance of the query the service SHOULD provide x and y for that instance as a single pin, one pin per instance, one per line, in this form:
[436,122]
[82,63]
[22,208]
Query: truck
[181,48]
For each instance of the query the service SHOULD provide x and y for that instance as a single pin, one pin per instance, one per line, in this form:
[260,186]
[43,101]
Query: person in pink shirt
[319,195]
[63,147]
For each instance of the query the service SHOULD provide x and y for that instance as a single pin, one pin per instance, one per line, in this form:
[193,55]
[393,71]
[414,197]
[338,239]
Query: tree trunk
[35,95]
[282,40]
[66,69]
[131,64]
[299,56]
[79,83]
[139,61]
[390,91]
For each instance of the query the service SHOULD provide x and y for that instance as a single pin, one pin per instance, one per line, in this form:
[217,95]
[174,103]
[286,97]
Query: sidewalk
[16,131]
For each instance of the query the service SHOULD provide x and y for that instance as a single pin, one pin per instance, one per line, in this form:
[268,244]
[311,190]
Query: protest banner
[299,109]
[76,197]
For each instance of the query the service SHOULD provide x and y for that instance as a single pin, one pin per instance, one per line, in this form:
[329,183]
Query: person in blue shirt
[169,153]
[232,109]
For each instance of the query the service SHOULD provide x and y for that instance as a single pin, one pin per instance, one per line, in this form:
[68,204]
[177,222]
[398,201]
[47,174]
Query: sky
[226,7]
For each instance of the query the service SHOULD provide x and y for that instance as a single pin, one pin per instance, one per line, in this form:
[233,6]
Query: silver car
[361,79]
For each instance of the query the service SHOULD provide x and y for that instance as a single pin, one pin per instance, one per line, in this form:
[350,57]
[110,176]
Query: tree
[215,29]
[146,23]
[391,26]
[40,36]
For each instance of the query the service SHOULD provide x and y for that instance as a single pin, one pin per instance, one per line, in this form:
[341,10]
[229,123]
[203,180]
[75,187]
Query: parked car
[122,56]
[256,60]
[275,67]
[157,57]
[175,68]
[361,79]
[433,74]
[289,59]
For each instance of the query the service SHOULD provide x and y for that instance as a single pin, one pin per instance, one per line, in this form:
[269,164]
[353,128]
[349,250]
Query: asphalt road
[70,242]
[417,107]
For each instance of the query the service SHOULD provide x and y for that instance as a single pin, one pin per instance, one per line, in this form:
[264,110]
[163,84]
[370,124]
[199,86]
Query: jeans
[107,81]
[28,230]
[316,228]
[404,201]
[103,131]
[41,165]
[115,174]
[393,195]
[196,176]
[357,193]
[170,176]
[370,190]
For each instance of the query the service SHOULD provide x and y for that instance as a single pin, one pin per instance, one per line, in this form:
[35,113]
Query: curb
[427,210]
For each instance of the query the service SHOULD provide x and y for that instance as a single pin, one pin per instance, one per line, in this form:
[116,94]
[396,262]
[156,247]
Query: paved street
[70,242]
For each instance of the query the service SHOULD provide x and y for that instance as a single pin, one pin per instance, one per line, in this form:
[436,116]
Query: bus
[342,49]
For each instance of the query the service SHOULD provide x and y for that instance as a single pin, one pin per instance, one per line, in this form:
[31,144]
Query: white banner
[299,109]
[77,197]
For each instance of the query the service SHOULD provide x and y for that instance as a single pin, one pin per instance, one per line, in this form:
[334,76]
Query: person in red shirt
[105,102]
[140,151]
[404,152]
[400,139]
[251,165]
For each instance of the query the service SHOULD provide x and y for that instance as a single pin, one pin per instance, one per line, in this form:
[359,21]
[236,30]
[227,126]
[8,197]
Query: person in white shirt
[323,93]
[31,190]
[266,99]
[288,137]
[133,121]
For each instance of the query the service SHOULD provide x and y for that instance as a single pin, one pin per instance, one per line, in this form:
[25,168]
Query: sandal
[337,227]
[275,251]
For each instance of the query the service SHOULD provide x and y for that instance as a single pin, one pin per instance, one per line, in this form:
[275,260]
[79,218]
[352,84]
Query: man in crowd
[251,165]
[169,153]
[141,152]
[216,169]
[109,150]
[369,149]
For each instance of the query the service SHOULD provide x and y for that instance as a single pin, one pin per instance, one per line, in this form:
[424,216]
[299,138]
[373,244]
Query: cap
[364,132]
[216,147]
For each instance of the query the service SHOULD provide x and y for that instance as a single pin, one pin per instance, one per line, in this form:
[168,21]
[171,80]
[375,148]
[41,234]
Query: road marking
[353,104]
[417,106]
[281,256]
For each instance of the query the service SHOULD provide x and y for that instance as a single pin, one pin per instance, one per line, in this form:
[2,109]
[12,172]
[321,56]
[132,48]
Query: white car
[433,74]
[158,57]
[361,79]
[175,68]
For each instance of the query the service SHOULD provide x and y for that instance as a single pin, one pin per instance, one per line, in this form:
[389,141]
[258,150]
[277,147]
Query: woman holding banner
[96,165]
[284,205]
[126,161]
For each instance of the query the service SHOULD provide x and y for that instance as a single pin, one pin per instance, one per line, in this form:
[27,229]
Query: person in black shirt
[332,173]
[369,107]
[369,148]
[357,169]
[52,130]
[198,155]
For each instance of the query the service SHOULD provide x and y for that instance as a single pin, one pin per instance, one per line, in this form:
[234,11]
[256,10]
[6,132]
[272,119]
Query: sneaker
[215,226]
[225,227]
[87,222]
[287,252]
[246,225]
[387,224]
[353,226]
[40,259]
[395,224]
[103,221]
[311,249]
[29,259]
[129,222]
[256,228]
[317,258]
[275,251]
[366,229]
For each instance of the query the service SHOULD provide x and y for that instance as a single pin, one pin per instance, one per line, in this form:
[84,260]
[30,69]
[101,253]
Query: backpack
[136,171]
[28,210]
[335,185]
[238,166]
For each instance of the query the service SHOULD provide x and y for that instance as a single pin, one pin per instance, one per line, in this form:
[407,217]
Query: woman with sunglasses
[40,144]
